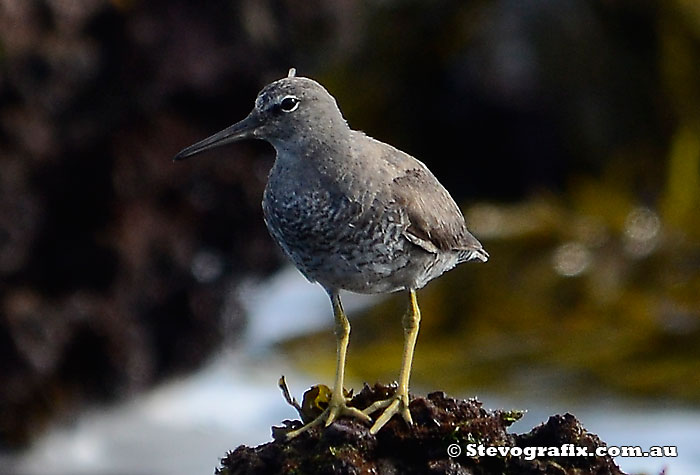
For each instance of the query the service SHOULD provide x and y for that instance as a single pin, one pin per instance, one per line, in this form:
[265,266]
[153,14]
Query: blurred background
[145,313]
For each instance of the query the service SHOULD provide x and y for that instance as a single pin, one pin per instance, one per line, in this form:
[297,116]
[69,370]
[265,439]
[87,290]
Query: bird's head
[287,113]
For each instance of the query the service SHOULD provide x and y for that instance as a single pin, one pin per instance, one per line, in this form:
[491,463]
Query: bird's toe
[397,404]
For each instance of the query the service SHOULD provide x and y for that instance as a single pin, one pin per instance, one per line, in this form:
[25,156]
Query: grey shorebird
[353,214]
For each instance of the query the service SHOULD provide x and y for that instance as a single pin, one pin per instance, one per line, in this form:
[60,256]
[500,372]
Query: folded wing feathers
[437,224]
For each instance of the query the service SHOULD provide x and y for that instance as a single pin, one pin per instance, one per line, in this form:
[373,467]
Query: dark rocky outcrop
[347,447]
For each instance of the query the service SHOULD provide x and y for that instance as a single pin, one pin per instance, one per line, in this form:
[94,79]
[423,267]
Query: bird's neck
[316,149]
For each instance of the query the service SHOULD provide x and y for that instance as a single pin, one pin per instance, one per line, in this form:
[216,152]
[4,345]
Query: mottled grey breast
[335,240]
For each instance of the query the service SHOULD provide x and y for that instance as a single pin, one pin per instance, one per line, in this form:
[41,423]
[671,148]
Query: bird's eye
[289,104]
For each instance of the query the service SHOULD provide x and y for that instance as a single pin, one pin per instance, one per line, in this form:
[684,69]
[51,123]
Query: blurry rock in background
[115,264]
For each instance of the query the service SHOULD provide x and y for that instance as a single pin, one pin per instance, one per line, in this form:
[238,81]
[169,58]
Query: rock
[346,446]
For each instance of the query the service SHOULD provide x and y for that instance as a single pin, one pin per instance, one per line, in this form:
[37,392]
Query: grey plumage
[351,212]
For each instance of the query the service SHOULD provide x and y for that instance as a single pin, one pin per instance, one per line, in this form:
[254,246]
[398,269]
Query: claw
[337,407]
[336,411]
[397,404]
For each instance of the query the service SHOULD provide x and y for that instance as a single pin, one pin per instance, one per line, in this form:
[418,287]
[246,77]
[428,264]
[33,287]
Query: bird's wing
[436,223]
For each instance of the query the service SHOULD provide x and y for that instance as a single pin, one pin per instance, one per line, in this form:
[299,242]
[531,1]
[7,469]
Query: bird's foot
[397,404]
[337,407]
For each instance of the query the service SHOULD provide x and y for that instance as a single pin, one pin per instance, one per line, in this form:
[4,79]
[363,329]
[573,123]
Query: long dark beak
[240,130]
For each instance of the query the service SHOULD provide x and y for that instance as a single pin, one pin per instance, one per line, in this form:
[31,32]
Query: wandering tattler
[352,213]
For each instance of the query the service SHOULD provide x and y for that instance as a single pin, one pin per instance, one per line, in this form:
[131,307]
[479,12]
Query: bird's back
[436,222]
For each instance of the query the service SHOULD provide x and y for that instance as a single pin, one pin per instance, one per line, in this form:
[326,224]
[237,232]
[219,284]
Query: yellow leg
[398,403]
[337,406]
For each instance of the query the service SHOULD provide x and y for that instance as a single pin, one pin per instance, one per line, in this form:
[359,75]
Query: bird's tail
[474,254]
